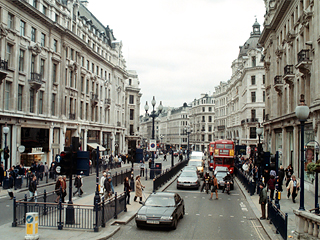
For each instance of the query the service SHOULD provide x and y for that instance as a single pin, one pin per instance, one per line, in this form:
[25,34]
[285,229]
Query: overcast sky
[179,48]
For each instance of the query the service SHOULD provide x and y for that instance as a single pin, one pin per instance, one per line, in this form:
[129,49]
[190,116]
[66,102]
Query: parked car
[161,209]
[188,179]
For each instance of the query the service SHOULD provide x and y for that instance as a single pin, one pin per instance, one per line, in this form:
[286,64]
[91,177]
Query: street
[230,217]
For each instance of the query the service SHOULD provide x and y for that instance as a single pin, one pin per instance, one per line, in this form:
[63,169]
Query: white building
[66,77]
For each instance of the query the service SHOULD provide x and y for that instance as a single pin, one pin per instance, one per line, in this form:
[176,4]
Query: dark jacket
[263,196]
[281,175]
[77,182]
[127,187]
[107,185]
[33,186]
[272,183]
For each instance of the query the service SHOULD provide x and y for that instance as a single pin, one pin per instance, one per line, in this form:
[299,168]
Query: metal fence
[61,215]
[278,219]
[167,175]
[248,183]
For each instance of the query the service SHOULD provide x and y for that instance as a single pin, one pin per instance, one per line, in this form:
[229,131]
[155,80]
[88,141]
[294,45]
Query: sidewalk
[3,192]
[111,228]
[286,206]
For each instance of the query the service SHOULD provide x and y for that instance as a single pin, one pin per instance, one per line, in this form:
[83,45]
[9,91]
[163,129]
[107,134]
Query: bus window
[228,161]
[218,160]
[228,146]
[219,146]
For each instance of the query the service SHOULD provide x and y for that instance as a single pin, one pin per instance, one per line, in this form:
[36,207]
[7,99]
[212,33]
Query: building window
[20,89]
[82,83]
[31,100]
[33,34]
[209,137]
[33,60]
[131,99]
[97,70]
[210,119]
[44,10]
[53,104]
[253,133]
[264,96]
[34,4]
[209,128]
[7,95]
[203,109]
[131,130]
[82,61]
[54,72]
[81,110]
[70,78]
[130,81]
[253,80]
[264,79]
[210,109]
[203,118]
[253,60]
[92,67]
[22,28]
[42,62]
[41,102]
[253,114]
[131,114]
[9,54]
[43,40]
[55,45]
[10,21]
[88,64]
[202,138]
[71,54]
[253,96]
[21,60]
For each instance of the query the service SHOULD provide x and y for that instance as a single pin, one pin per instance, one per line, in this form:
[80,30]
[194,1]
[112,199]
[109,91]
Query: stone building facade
[62,76]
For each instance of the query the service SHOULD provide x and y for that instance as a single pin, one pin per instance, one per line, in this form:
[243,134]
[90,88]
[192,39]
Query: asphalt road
[230,217]
[89,187]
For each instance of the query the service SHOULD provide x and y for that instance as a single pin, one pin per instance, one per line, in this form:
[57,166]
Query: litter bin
[32,220]
[18,182]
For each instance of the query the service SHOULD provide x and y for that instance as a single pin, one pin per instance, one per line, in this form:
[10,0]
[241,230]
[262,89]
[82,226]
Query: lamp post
[259,132]
[6,150]
[188,130]
[302,113]
[153,115]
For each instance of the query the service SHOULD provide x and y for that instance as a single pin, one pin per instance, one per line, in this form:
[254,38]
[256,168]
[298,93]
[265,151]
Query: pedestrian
[142,165]
[52,169]
[58,188]
[165,157]
[281,177]
[10,189]
[263,200]
[41,171]
[78,184]
[293,188]
[33,188]
[215,187]
[111,184]
[139,189]
[102,179]
[289,173]
[180,157]
[272,186]
[1,174]
[127,189]
[64,188]
[107,188]
[46,171]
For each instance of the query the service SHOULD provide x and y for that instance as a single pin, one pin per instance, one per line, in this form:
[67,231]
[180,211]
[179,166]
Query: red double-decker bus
[223,154]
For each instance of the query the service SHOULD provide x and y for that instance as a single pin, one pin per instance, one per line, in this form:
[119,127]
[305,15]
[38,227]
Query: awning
[95,145]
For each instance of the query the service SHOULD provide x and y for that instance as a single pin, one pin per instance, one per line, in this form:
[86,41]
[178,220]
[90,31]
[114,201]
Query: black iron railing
[247,182]
[3,64]
[288,70]
[278,219]
[303,55]
[277,80]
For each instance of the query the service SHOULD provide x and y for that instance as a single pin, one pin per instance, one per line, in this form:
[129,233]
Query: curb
[269,230]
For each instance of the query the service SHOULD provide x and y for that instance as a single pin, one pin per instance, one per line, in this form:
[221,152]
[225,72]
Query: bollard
[14,223]
[45,205]
[146,174]
[115,206]
[103,224]
[116,179]
[125,201]
[60,226]
[32,220]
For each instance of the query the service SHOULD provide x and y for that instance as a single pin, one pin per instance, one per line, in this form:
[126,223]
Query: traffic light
[65,165]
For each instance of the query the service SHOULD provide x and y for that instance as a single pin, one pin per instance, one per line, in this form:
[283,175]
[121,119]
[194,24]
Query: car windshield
[189,168]
[155,201]
[221,169]
[188,174]
[195,163]
[221,174]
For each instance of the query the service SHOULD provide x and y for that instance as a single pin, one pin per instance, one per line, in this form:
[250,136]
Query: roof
[252,42]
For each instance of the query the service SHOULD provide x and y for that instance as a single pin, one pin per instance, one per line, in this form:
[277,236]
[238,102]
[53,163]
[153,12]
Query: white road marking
[244,209]
[244,217]
[231,216]
[198,214]
[3,197]
[242,221]
[235,194]
[7,205]
[209,215]
[186,213]
[221,216]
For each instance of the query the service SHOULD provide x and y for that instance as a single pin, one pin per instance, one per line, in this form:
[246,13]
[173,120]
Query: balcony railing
[243,121]
[35,81]
[3,64]
[303,56]
[277,80]
[118,124]
[107,101]
[94,98]
[221,127]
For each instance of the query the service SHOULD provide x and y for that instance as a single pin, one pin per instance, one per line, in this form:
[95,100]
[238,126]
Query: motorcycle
[207,185]
[228,186]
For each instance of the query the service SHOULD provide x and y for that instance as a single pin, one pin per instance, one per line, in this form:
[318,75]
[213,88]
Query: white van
[196,159]
[197,155]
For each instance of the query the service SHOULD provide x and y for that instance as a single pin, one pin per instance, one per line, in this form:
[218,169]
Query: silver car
[188,179]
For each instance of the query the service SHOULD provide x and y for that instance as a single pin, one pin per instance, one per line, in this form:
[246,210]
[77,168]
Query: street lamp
[6,150]
[302,113]
[153,115]
[188,130]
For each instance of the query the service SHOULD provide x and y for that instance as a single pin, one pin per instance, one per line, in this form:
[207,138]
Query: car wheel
[175,223]
[183,212]
[139,226]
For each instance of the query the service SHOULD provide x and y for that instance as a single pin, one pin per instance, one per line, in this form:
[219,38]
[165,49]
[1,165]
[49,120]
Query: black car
[161,209]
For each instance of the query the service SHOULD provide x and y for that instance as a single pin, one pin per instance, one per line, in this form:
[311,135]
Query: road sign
[58,158]
[58,169]
[153,145]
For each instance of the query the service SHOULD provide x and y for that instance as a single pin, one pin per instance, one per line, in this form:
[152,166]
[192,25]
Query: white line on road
[244,209]
[3,197]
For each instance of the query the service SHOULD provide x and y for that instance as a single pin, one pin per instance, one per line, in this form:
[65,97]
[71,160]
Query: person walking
[272,186]
[263,200]
[215,187]
[58,188]
[33,188]
[102,179]
[280,177]
[289,173]
[142,166]
[10,189]
[127,189]
[293,188]
[64,188]
[107,188]
[165,157]
[78,185]
[1,174]
[139,189]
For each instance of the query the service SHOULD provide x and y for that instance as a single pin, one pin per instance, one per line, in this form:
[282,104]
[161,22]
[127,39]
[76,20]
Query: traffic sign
[58,169]
[153,145]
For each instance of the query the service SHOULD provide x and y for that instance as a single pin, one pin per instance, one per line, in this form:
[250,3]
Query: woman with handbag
[293,187]
[215,187]
[139,189]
